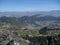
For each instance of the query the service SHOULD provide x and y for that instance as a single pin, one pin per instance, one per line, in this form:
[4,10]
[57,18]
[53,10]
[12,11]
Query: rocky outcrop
[45,40]
[11,38]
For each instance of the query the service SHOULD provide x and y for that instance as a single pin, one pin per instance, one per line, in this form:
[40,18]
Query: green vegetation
[24,33]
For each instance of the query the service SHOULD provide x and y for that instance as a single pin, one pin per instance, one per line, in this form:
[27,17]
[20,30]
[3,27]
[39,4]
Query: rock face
[18,41]
[9,38]
[4,37]
[48,40]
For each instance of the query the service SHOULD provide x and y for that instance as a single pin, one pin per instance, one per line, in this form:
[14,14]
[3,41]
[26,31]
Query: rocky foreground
[12,38]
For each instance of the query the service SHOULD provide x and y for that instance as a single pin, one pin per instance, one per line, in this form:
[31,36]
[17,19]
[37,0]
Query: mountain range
[35,19]
[19,14]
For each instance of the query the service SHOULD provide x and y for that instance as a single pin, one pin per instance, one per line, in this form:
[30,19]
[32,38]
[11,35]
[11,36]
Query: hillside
[30,20]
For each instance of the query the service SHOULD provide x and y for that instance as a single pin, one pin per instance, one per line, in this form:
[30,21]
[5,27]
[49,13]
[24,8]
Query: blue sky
[29,5]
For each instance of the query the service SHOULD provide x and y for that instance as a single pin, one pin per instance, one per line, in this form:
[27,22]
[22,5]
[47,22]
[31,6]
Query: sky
[29,5]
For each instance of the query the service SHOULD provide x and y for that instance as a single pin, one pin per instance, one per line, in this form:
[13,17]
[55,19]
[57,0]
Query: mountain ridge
[19,14]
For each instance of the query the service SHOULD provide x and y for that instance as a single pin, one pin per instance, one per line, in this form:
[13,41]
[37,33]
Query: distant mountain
[39,18]
[19,14]
[12,22]
[35,19]
[29,21]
